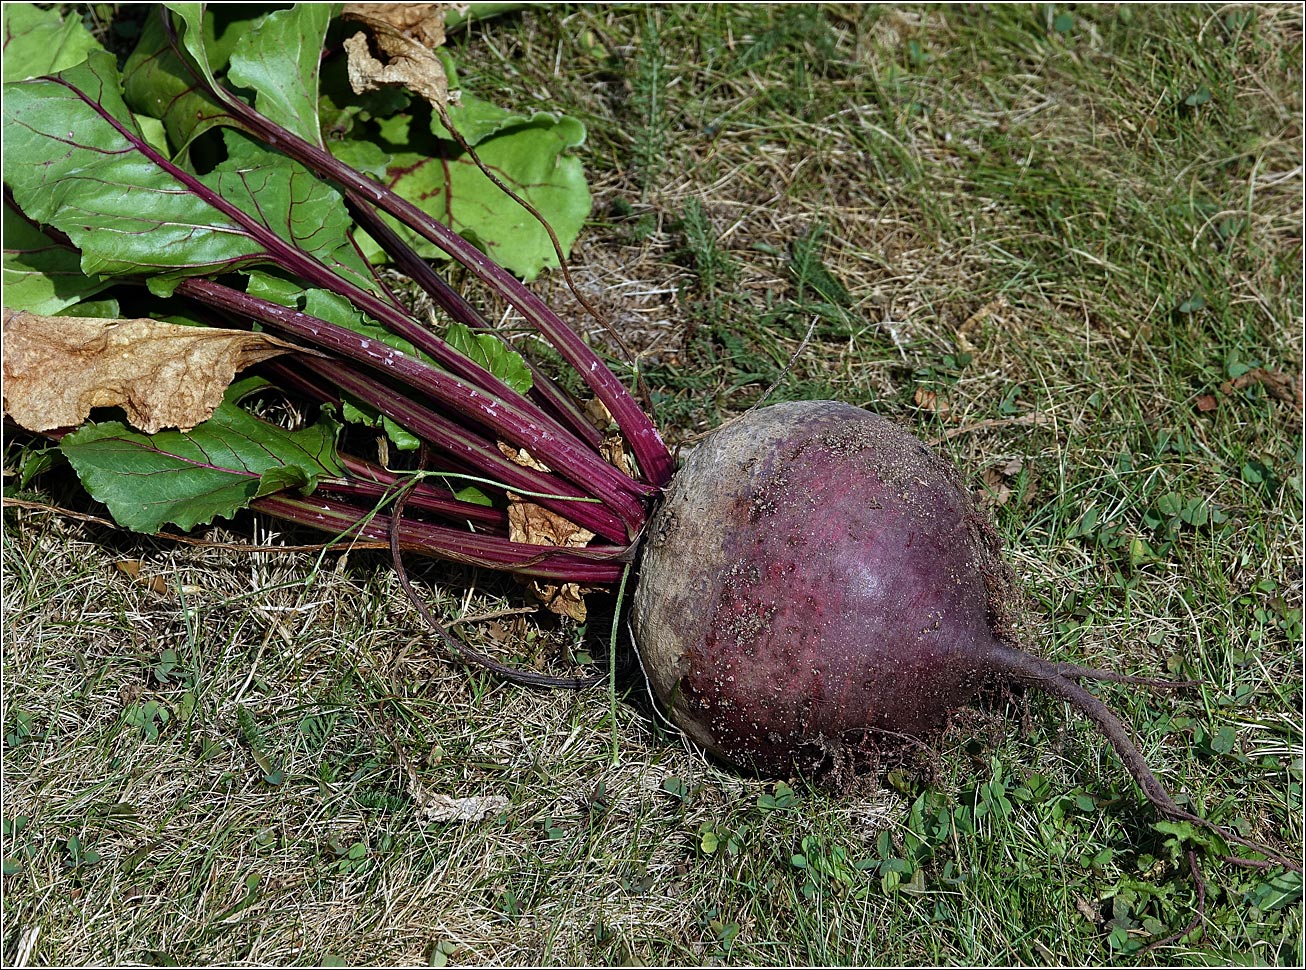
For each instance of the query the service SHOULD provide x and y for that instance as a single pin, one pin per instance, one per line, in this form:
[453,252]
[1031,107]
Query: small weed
[713,839]
[677,789]
[28,463]
[508,904]
[649,79]
[441,952]
[165,666]
[78,856]
[816,289]
[351,858]
[715,269]
[20,847]
[22,730]
[148,717]
[779,799]
[825,868]
[249,729]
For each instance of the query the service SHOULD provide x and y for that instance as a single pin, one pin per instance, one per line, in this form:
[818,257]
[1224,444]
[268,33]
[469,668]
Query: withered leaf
[164,375]
[536,525]
[997,479]
[973,322]
[437,807]
[613,451]
[567,599]
[539,526]
[1277,384]
[932,401]
[598,413]
[996,491]
[522,457]
[1087,910]
[133,568]
[422,22]
[408,63]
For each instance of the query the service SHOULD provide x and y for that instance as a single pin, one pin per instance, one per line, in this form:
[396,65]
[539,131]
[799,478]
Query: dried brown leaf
[1277,384]
[613,451]
[567,599]
[522,457]
[133,567]
[421,22]
[407,63]
[164,375]
[536,525]
[598,413]
[931,401]
[1087,910]
[996,491]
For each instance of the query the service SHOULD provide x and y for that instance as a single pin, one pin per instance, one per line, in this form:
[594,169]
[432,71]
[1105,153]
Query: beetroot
[817,581]
[815,573]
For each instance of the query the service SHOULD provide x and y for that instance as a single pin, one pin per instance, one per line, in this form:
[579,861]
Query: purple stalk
[451,438]
[488,460]
[374,483]
[646,444]
[557,449]
[594,565]
[527,425]
[456,305]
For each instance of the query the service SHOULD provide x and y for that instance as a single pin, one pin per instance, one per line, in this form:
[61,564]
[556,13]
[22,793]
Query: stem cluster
[458,409]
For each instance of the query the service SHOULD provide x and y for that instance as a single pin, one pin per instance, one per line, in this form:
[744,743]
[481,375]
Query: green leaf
[483,348]
[473,495]
[158,84]
[278,58]
[676,787]
[530,158]
[492,354]
[40,275]
[473,118]
[60,153]
[188,478]
[152,220]
[42,42]
[1278,892]
[336,309]
[365,156]
[201,38]
[1188,832]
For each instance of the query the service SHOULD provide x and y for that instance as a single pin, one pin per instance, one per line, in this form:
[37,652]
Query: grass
[1049,238]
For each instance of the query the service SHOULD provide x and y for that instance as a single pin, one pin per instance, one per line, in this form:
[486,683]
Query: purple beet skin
[838,580]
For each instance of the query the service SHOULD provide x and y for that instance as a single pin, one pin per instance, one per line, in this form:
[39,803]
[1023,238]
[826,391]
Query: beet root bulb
[818,581]
[816,576]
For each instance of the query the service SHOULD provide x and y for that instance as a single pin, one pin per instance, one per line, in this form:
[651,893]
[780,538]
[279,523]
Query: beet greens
[260,214]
